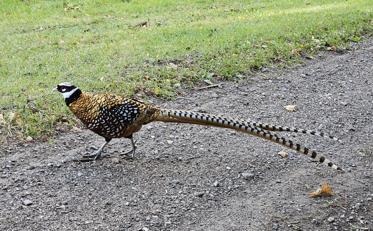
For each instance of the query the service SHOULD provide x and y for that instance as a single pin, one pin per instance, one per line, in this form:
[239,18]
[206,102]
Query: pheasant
[114,116]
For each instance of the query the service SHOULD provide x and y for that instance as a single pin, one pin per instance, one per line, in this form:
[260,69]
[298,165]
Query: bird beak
[54,89]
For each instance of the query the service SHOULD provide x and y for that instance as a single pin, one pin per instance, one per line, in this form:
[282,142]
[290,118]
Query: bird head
[66,89]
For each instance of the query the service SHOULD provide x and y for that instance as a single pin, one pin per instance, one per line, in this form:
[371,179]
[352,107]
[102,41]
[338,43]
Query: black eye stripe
[65,88]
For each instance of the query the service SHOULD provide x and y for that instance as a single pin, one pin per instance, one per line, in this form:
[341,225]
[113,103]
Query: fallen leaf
[12,116]
[324,191]
[296,52]
[332,48]
[283,154]
[291,108]
[15,118]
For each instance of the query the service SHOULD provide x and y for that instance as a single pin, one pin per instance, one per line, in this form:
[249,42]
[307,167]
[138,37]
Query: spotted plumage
[113,116]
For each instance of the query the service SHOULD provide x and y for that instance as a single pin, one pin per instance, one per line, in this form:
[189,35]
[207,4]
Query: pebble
[331,219]
[291,108]
[283,154]
[216,184]
[169,141]
[247,175]
[27,202]
[29,138]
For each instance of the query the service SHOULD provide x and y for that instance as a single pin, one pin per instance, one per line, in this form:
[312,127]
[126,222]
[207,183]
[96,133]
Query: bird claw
[130,153]
[92,157]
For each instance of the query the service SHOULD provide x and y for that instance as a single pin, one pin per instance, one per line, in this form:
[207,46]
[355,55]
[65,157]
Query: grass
[101,46]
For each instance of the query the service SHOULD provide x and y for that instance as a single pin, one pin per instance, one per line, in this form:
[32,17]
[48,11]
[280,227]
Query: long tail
[270,127]
[166,115]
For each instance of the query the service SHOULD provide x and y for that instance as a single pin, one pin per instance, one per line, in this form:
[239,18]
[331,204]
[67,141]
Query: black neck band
[73,97]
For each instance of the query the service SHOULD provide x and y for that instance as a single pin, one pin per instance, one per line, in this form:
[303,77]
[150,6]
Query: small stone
[144,229]
[169,141]
[291,108]
[331,219]
[247,175]
[216,184]
[27,202]
[283,154]
[29,138]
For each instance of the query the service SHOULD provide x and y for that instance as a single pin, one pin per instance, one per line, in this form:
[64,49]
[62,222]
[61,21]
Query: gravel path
[187,177]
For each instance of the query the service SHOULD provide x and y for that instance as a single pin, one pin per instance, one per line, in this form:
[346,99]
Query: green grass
[97,46]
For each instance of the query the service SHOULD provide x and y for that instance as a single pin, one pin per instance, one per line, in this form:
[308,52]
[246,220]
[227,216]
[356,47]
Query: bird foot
[92,157]
[130,153]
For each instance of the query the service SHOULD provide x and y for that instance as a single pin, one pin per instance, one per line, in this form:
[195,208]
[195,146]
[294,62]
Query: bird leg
[96,154]
[133,143]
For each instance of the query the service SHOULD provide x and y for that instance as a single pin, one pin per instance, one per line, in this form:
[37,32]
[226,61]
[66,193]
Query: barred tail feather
[271,127]
[177,116]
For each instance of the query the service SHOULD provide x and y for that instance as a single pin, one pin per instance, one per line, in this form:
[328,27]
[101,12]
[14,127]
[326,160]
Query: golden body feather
[112,116]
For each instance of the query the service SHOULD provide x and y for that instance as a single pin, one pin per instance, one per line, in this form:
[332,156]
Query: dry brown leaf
[15,118]
[324,191]
[291,108]
[12,116]
[283,154]
[332,48]
[296,52]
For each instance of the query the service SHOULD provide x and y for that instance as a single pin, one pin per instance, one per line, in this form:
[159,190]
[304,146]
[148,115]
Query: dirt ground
[188,177]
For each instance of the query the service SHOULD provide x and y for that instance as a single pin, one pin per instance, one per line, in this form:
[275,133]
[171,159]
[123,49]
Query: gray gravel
[187,177]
